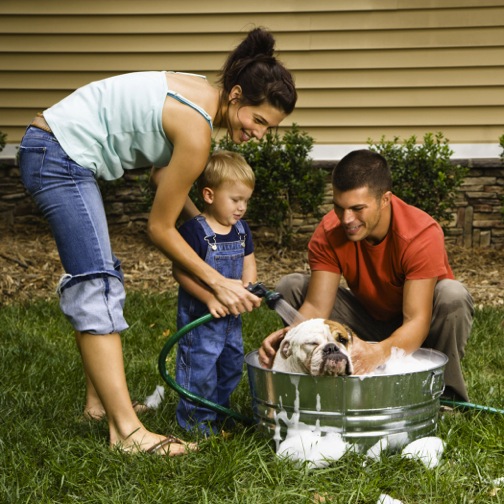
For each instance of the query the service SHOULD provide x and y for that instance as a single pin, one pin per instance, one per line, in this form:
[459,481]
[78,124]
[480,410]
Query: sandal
[169,440]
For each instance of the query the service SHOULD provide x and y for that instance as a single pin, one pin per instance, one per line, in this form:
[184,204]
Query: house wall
[364,68]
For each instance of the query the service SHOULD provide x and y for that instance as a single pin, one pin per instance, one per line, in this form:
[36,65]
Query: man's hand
[269,347]
[366,357]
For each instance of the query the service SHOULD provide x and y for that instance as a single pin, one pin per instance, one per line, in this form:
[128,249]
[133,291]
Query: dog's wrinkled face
[316,347]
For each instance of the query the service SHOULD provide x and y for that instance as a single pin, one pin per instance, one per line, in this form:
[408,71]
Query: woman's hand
[235,297]
[269,347]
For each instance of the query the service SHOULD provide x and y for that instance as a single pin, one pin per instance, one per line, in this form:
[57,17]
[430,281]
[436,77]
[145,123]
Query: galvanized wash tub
[363,410]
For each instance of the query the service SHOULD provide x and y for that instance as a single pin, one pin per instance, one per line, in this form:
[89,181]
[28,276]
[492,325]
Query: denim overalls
[210,357]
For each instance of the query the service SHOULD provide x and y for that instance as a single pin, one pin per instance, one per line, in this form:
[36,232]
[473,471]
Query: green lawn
[48,454]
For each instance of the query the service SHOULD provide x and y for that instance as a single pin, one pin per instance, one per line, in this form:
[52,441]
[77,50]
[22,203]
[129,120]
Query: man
[402,293]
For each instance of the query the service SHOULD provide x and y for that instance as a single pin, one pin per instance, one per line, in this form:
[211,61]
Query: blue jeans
[91,291]
[210,357]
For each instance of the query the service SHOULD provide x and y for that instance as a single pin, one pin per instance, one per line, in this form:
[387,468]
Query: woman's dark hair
[262,78]
[363,168]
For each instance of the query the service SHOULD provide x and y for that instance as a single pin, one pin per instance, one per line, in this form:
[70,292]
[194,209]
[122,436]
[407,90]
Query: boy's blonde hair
[226,166]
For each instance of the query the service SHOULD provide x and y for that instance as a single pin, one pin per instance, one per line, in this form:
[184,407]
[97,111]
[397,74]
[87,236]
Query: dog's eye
[341,339]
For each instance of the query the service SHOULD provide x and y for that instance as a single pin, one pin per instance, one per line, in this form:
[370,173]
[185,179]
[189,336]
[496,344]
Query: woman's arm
[189,211]
[200,291]
[190,154]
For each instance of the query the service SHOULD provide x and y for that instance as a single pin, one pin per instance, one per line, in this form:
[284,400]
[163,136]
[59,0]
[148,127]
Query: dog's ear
[285,349]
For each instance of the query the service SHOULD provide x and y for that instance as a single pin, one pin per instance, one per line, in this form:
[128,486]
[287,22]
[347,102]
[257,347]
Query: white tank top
[115,124]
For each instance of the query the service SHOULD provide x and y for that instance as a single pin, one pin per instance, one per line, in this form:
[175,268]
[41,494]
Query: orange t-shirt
[413,249]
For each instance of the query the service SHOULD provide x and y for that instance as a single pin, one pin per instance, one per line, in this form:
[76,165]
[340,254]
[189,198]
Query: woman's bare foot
[97,413]
[94,414]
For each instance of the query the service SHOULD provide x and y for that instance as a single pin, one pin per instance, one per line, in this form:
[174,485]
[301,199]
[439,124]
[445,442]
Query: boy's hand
[216,308]
[233,295]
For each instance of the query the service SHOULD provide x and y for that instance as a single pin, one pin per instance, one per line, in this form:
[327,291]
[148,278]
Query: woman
[159,119]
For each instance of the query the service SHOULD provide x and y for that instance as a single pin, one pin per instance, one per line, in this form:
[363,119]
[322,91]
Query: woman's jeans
[91,290]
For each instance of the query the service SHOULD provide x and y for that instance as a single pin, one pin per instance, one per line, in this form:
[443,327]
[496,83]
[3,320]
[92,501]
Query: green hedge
[422,173]
[286,180]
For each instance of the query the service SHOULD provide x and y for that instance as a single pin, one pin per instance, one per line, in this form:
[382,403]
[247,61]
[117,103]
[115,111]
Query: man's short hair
[226,166]
[362,168]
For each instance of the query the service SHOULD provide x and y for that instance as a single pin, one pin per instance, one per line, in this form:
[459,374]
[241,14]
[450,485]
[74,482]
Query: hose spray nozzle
[259,290]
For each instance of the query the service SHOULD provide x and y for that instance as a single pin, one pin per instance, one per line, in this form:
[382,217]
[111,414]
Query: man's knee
[293,288]
[450,296]
[452,318]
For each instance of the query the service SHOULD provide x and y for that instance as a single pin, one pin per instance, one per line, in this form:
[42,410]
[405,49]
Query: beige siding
[364,68]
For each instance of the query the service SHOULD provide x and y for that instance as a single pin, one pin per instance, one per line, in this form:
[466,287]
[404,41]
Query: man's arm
[319,302]
[321,295]
[417,314]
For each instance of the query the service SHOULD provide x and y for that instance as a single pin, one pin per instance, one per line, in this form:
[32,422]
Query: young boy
[210,357]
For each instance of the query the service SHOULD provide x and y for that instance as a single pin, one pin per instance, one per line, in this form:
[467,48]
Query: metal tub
[364,410]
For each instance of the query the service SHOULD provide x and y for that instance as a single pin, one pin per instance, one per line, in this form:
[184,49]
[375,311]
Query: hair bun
[262,78]
[259,42]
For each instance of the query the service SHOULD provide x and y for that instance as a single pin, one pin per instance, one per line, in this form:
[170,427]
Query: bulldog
[317,347]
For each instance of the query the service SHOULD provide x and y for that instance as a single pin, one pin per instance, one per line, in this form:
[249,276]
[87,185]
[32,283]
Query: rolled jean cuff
[93,303]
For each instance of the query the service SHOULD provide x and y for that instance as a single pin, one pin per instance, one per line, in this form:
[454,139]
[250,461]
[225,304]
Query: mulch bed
[30,266]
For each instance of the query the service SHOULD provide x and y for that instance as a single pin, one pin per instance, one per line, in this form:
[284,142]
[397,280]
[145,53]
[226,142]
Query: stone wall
[478,219]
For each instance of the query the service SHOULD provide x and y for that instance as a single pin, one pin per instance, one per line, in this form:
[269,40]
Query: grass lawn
[49,454]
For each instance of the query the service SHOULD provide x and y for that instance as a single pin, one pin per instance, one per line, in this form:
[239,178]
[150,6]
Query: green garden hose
[259,290]
[172,340]
[468,405]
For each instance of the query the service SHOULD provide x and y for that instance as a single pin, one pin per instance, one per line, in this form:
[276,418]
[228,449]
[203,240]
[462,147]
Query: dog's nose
[330,348]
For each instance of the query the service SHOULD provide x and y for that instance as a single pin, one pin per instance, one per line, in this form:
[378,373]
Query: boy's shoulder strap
[239,227]
[210,236]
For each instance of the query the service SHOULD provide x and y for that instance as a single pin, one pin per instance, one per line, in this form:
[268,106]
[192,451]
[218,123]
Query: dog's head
[316,347]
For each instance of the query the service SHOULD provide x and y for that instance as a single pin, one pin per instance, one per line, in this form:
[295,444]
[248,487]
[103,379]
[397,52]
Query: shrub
[423,174]
[286,180]
[3,136]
